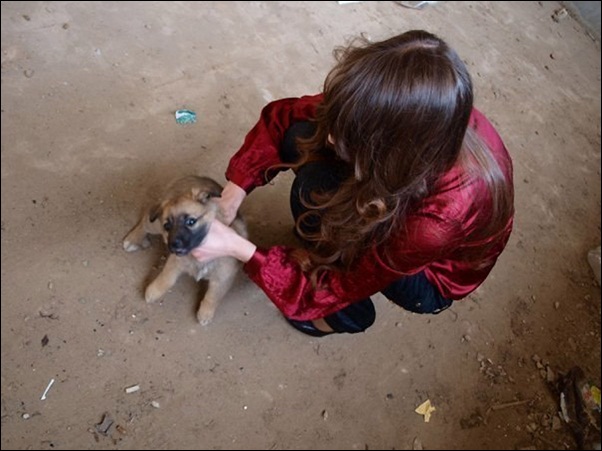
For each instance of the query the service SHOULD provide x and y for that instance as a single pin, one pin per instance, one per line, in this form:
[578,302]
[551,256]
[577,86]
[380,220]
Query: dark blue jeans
[414,293]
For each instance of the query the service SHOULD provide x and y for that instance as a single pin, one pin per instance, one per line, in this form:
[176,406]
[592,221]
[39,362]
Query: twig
[508,404]
[505,405]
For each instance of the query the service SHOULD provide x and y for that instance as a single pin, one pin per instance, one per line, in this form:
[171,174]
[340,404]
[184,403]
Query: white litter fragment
[155,404]
[416,5]
[47,388]
[564,414]
[132,389]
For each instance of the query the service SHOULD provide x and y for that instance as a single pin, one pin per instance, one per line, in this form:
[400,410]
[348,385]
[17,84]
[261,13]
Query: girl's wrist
[234,194]
[244,250]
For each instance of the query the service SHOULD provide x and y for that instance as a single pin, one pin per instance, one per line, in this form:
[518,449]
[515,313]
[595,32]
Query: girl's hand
[229,202]
[222,241]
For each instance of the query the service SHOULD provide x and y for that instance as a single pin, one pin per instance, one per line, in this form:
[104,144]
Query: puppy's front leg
[164,281]
[219,284]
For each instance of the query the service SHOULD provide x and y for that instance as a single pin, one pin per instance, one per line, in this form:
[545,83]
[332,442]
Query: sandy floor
[88,96]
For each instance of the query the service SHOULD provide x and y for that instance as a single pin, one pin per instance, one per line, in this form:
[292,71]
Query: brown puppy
[183,215]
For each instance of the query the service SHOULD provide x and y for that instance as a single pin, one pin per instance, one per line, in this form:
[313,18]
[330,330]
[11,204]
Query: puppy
[183,215]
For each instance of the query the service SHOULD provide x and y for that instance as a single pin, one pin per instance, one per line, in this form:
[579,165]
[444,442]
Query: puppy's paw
[132,246]
[128,246]
[205,315]
[152,293]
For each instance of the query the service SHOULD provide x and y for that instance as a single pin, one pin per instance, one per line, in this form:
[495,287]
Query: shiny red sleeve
[248,168]
[290,289]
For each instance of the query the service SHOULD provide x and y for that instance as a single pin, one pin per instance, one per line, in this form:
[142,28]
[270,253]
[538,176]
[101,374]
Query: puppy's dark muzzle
[179,245]
[183,240]
[179,251]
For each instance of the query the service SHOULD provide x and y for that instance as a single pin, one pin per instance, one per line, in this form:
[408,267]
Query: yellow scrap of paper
[426,409]
[596,395]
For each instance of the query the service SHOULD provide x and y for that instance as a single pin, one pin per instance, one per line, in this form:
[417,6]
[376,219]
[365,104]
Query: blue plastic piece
[185,117]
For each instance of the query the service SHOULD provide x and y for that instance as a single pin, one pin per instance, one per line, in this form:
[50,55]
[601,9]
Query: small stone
[536,358]
[560,14]
[105,425]
[550,374]
[28,73]
[26,416]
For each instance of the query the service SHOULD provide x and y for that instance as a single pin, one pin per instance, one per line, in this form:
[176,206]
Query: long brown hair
[397,112]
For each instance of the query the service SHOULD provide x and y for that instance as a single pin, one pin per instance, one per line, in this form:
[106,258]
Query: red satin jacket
[433,240]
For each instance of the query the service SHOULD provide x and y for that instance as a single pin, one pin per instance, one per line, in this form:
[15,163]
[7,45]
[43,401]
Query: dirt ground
[89,92]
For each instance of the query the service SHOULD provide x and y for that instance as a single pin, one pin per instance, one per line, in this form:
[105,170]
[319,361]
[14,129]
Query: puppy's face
[186,220]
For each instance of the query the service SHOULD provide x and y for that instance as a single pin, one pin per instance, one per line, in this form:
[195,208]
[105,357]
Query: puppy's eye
[167,226]
[190,222]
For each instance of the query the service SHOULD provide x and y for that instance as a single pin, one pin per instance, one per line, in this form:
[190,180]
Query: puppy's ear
[155,212]
[203,196]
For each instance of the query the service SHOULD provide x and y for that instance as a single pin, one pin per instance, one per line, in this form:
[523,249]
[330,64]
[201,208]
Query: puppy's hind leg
[137,238]
[164,281]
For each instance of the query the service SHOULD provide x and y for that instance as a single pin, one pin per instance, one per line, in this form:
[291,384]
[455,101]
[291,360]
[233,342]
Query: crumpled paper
[426,409]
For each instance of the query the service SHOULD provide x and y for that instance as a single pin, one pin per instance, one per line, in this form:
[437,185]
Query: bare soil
[89,92]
